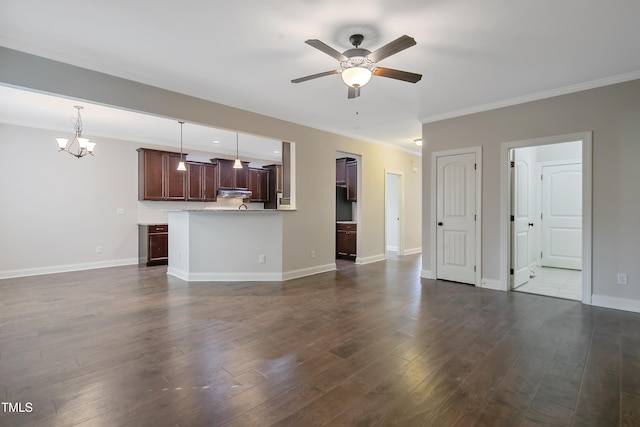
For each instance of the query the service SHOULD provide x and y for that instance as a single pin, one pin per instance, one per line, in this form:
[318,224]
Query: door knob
[440,223]
[530,224]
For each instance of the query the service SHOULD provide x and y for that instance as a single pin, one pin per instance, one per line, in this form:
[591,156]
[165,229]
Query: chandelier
[78,146]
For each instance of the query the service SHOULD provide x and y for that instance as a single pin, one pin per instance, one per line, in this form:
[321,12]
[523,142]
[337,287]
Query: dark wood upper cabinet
[347,176]
[352,181]
[158,177]
[259,184]
[202,183]
[230,178]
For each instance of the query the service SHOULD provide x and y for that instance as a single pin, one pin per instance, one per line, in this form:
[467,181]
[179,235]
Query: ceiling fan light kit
[358,65]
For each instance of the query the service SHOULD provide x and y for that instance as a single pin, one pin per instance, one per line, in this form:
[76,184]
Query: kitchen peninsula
[226,245]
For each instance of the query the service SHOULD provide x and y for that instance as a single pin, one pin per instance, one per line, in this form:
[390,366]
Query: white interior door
[562,216]
[521,213]
[392,212]
[455,218]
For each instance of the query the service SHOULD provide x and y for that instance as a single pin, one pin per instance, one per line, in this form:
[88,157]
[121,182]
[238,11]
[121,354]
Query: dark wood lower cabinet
[153,244]
[346,236]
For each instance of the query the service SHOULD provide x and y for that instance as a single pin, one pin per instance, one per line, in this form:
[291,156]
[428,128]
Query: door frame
[400,175]
[505,184]
[477,150]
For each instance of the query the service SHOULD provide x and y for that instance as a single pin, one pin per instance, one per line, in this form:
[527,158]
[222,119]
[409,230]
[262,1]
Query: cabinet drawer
[158,228]
[346,227]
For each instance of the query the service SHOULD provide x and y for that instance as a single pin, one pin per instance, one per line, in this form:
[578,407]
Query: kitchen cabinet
[352,181]
[230,178]
[341,169]
[346,237]
[158,177]
[275,185]
[202,182]
[153,244]
[259,184]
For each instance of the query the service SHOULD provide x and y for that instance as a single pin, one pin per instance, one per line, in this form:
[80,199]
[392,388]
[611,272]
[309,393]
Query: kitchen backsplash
[156,212]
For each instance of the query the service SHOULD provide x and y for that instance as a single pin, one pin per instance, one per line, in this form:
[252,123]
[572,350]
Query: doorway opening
[348,167]
[393,194]
[548,210]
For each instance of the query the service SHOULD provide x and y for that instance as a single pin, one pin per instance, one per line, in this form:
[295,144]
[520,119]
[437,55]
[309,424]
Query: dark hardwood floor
[368,345]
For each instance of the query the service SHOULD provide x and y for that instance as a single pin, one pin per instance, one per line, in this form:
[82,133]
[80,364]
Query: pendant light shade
[237,164]
[181,166]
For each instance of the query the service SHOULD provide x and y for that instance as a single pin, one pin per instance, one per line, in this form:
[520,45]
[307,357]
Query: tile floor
[555,282]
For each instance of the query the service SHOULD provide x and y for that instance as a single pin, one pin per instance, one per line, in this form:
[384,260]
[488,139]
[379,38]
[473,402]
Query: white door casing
[521,213]
[562,216]
[455,218]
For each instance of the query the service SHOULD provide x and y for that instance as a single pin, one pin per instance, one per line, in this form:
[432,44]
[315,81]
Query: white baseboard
[496,285]
[426,274]
[616,303]
[38,271]
[224,277]
[392,248]
[294,274]
[412,251]
[370,259]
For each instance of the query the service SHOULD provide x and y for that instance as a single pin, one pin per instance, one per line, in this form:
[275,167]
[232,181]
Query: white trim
[249,277]
[495,285]
[303,272]
[8,274]
[477,150]
[400,248]
[370,259]
[413,251]
[616,303]
[426,274]
[392,249]
[505,185]
[534,97]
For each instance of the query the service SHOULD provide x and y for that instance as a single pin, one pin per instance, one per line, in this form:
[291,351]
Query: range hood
[234,194]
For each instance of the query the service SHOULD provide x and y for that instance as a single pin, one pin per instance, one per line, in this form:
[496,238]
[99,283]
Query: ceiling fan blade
[315,76]
[326,49]
[354,92]
[397,74]
[399,44]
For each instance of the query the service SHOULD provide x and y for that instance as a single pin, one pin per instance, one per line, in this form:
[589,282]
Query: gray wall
[612,113]
[311,227]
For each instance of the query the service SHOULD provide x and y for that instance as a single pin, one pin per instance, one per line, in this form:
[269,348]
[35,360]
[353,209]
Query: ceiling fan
[357,65]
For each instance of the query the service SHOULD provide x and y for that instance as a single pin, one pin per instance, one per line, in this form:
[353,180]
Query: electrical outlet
[622,279]
[312,254]
[120,211]
[98,249]
[262,259]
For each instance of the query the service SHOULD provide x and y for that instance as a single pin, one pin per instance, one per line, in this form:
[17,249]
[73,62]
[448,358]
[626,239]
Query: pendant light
[78,146]
[237,164]
[181,166]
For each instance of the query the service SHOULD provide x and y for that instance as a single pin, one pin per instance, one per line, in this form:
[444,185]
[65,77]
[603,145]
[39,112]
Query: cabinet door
[158,247]
[175,180]
[194,181]
[150,175]
[209,182]
[259,184]
[352,181]
[242,177]
[341,171]
[226,174]
[351,243]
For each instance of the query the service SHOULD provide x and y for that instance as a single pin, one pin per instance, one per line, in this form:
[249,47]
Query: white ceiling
[473,55]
